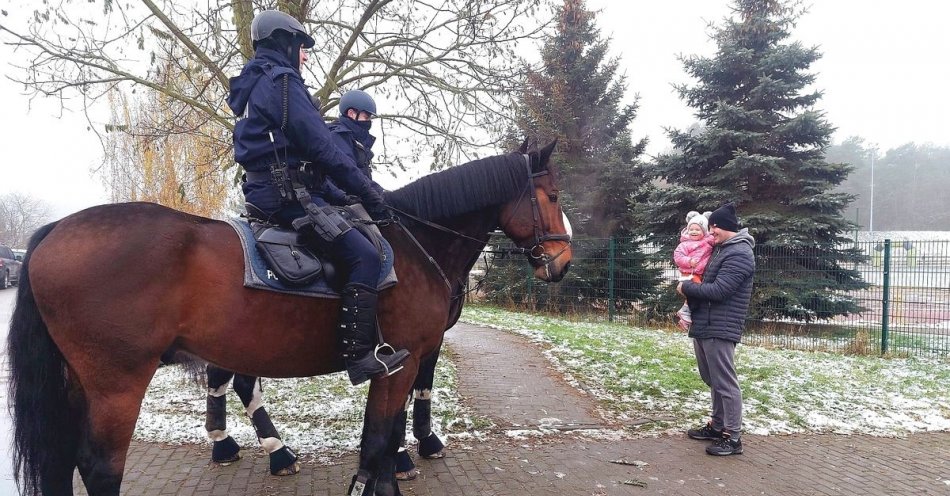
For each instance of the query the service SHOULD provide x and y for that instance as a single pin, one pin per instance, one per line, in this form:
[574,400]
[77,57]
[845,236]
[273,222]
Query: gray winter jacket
[720,303]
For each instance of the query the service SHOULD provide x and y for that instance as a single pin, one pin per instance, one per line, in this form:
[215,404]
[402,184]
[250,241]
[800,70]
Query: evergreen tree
[762,145]
[577,98]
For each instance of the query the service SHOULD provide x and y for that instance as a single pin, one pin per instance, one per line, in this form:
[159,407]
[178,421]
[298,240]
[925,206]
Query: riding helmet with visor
[266,23]
[358,100]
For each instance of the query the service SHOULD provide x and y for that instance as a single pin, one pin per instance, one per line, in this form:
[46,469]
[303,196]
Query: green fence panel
[903,308]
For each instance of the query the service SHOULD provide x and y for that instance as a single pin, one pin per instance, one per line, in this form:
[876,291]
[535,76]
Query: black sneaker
[725,446]
[706,432]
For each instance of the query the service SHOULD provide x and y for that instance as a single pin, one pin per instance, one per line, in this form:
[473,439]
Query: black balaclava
[285,43]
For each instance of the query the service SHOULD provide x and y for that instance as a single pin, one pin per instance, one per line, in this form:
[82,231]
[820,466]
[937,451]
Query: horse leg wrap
[264,427]
[216,416]
[422,413]
[225,451]
[431,447]
[281,460]
[362,485]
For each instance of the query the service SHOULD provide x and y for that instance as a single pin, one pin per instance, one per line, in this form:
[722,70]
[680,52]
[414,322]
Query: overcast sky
[884,74]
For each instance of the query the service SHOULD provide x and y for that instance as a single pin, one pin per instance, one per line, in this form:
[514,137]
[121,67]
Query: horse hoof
[227,461]
[291,470]
[225,452]
[431,447]
[283,462]
[435,456]
[408,475]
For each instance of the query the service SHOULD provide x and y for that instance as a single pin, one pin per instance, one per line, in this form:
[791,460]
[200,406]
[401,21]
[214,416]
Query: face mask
[365,125]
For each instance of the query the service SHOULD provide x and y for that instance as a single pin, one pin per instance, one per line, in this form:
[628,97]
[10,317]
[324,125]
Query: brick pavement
[522,390]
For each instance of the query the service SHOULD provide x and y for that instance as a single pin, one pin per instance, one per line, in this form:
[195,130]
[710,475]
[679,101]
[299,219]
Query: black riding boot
[364,359]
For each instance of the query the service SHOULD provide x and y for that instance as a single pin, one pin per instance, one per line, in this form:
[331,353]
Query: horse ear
[524,146]
[547,151]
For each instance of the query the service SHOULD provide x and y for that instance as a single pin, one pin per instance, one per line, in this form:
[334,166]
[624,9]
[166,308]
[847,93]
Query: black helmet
[359,100]
[268,21]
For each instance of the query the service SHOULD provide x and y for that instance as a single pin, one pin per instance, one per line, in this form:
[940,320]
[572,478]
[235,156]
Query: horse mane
[464,188]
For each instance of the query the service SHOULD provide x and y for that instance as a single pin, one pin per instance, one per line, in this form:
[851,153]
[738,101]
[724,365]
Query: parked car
[9,267]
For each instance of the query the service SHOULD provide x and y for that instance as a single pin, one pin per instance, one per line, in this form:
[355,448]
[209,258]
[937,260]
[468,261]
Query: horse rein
[542,259]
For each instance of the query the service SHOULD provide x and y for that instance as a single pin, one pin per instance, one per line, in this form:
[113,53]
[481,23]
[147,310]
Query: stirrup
[392,350]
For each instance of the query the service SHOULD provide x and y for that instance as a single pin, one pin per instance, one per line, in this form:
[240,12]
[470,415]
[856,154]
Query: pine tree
[577,98]
[761,144]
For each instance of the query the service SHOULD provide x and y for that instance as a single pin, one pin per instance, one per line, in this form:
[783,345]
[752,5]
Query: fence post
[886,296]
[529,286]
[610,279]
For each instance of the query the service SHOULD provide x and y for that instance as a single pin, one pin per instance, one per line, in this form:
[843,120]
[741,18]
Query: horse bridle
[542,258]
[539,260]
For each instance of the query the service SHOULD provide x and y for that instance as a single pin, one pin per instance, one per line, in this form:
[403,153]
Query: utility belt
[295,183]
[287,176]
[284,176]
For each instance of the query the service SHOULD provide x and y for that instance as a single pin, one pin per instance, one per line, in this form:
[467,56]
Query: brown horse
[107,290]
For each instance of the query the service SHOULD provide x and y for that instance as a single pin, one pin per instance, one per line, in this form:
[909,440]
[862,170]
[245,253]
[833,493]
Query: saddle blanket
[258,276]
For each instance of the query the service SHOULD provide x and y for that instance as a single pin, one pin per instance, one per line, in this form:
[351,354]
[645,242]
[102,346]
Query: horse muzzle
[551,265]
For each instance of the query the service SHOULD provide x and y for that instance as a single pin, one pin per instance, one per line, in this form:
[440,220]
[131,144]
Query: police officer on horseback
[351,136]
[287,152]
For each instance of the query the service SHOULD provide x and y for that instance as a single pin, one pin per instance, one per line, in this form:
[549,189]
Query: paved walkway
[504,377]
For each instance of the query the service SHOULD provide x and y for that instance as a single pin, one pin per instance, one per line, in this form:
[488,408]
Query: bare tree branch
[188,43]
[444,70]
[20,215]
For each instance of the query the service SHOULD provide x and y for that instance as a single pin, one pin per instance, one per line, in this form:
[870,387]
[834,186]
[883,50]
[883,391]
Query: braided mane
[463,188]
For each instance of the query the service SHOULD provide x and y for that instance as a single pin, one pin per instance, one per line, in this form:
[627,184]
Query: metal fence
[903,310]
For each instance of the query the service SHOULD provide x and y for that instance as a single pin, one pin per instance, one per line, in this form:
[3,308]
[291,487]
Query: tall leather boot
[363,357]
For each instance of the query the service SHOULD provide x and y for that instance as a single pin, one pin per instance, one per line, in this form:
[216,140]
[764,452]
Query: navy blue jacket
[720,303]
[257,95]
[356,143]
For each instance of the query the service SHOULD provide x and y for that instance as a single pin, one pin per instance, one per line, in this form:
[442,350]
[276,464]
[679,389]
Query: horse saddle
[279,259]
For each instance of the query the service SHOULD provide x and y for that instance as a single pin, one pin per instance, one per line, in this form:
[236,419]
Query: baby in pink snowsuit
[692,255]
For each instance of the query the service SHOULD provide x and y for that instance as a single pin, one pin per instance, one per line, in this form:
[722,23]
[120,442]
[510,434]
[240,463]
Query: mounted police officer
[287,152]
[351,136]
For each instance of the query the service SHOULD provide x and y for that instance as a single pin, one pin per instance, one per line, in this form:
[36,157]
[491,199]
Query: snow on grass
[639,376]
[651,374]
[317,415]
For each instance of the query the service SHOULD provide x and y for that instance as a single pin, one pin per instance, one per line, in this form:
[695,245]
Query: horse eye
[553,197]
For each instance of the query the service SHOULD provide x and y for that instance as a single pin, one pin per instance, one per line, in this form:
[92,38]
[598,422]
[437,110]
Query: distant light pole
[873,150]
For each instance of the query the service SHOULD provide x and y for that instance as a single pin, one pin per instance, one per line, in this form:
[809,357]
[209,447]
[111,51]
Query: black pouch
[287,255]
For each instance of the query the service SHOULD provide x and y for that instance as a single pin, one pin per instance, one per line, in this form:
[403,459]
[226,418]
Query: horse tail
[45,432]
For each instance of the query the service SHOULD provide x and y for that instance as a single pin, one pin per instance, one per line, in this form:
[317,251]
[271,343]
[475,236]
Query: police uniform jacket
[257,96]
[720,303]
[355,142]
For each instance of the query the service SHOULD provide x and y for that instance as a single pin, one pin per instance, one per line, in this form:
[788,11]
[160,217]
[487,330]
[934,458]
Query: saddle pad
[258,276]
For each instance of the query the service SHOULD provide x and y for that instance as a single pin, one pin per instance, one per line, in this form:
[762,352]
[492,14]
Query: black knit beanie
[725,218]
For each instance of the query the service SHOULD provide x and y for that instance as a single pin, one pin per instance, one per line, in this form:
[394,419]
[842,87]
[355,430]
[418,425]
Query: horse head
[534,220]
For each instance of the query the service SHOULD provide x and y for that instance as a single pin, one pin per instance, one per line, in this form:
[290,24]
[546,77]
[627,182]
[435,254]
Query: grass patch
[638,372]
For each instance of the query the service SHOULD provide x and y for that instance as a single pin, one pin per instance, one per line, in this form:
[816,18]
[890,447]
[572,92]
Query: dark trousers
[353,251]
[716,361]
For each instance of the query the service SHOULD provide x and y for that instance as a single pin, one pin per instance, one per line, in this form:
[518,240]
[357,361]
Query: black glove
[352,200]
[381,212]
